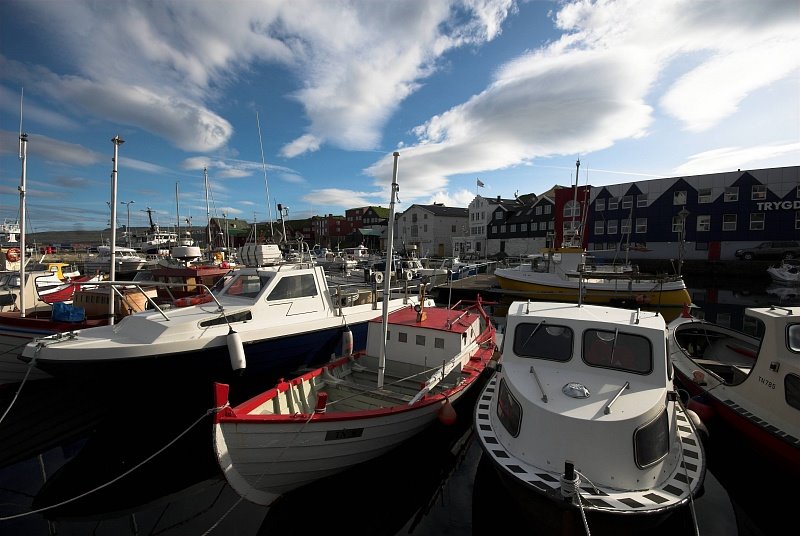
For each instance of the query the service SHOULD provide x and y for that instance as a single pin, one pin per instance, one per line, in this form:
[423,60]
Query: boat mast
[572,226]
[178,214]
[388,275]
[208,213]
[266,185]
[117,141]
[23,156]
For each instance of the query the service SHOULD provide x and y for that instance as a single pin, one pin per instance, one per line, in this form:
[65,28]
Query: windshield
[246,285]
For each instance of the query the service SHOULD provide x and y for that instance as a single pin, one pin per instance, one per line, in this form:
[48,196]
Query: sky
[304,102]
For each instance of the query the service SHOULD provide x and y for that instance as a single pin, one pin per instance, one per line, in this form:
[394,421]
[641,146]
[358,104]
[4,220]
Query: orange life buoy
[12,254]
[193,300]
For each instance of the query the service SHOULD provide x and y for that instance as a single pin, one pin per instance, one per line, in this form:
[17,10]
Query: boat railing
[118,287]
[348,294]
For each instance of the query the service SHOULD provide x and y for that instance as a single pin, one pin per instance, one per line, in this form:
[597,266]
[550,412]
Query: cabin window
[651,441]
[438,342]
[616,350]
[292,287]
[791,385]
[402,336]
[247,286]
[544,341]
[509,411]
[242,316]
[420,339]
[793,337]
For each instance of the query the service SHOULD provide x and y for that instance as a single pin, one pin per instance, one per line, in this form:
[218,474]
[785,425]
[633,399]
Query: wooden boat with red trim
[357,407]
[745,386]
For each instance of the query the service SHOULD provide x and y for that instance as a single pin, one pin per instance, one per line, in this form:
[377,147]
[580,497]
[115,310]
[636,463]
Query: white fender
[408,275]
[378,276]
[236,351]
[347,341]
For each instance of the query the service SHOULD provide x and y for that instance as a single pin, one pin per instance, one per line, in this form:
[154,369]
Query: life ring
[408,275]
[378,276]
[12,254]
[193,300]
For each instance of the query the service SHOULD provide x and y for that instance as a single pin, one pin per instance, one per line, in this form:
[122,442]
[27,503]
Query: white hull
[286,456]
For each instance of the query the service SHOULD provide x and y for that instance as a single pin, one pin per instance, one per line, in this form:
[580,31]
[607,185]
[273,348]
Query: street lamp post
[128,226]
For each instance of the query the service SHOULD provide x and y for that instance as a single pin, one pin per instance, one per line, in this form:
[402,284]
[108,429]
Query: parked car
[773,249]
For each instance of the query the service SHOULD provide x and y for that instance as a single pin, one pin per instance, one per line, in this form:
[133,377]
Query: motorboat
[745,385]
[127,261]
[267,318]
[582,421]
[785,272]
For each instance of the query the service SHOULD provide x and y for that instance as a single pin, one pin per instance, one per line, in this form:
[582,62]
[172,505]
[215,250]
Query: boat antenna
[208,213]
[388,275]
[266,184]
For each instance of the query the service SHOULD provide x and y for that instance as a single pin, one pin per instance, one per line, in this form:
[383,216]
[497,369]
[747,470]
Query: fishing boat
[745,386]
[267,318]
[357,407]
[127,261]
[570,274]
[582,422]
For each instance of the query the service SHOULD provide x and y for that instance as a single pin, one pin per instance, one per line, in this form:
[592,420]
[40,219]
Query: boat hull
[273,356]
[621,290]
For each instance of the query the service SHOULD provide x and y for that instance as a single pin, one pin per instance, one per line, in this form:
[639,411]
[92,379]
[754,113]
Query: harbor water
[122,458]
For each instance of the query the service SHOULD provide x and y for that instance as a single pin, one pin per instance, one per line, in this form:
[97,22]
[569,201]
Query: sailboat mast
[117,141]
[573,226]
[23,155]
[178,214]
[387,281]
[208,211]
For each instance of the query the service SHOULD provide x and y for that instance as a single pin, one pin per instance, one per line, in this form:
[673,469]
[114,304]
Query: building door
[714,251]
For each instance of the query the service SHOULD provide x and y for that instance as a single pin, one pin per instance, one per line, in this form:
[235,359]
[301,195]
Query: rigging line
[266,184]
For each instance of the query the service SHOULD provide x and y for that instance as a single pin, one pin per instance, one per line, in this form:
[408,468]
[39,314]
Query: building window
[627,201]
[499,215]
[523,227]
[731,194]
[548,209]
[611,226]
[613,203]
[679,197]
[413,218]
[797,220]
[513,227]
[704,222]
[495,229]
[759,193]
[599,228]
[729,222]
[641,225]
[572,209]
[704,195]
[641,200]
[502,228]
[534,226]
[452,229]
[600,205]
[625,226]
[701,246]
[757,221]
[425,228]
[551,225]
[677,224]
[539,210]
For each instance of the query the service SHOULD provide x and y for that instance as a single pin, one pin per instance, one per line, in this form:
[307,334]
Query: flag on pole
[480,184]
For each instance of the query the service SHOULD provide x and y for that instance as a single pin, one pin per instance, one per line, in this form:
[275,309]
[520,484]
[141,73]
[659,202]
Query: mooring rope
[22,383]
[572,490]
[117,478]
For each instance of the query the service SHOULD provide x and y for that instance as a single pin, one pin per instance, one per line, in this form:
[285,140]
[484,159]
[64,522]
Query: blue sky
[508,92]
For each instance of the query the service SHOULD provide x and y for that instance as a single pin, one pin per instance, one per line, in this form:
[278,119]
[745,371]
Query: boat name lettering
[347,433]
[766,382]
[778,205]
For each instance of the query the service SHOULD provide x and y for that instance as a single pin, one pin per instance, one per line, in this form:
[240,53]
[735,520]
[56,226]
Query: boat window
[543,341]
[791,385]
[651,441]
[794,337]
[292,287]
[246,286]
[242,316]
[509,411]
[617,350]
